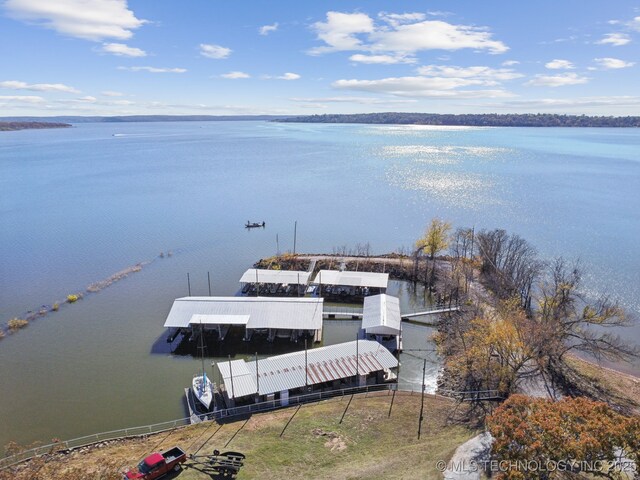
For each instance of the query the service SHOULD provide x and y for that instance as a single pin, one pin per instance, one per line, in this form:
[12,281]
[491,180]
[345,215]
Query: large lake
[79,204]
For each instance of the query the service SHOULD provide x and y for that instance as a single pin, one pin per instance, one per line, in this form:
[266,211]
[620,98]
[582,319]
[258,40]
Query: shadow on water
[233,345]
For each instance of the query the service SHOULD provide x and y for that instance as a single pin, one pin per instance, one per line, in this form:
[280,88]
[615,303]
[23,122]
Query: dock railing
[340,311]
[229,413]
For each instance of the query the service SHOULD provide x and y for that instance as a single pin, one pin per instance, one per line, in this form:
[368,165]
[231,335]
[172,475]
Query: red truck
[158,465]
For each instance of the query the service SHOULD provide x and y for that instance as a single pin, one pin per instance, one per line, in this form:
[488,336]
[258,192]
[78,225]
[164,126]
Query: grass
[607,385]
[367,444]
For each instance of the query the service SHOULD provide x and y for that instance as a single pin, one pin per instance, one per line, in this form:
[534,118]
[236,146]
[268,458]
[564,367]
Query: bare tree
[510,264]
[575,323]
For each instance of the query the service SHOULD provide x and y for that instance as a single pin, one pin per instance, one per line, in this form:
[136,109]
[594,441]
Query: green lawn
[367,444]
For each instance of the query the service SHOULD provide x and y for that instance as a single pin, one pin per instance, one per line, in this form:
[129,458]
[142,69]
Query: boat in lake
[201,385]
[203,389]
[254,224]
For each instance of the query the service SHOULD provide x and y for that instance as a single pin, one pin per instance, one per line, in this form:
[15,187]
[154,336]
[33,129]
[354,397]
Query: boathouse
[350,286]
[274,282]
[285,317]
[381,320]
[325,368]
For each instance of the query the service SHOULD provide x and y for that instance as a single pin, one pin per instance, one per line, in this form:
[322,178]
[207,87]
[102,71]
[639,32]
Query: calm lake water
[79,204]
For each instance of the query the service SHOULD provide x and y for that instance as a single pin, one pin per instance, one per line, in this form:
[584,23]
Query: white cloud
[635,23]
[615,39]
[381,59]
[439,81]
[560,80]
[87,19]
[396,19]
[510,63]
[488,76]
[436,87]
[214,51]
[435,34]
[402,34]
[88,99]
[30,99]
[235,75]
[345,99]
[289,76]
[267,29]
[123,50]
[340,30]
[38,87]
[609,63]
[154,69]
[558,64]
[111,93]
[614,101]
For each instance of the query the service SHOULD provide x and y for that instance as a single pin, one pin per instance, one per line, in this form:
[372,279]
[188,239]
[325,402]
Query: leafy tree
[498,349]
[435,239]
[538,438]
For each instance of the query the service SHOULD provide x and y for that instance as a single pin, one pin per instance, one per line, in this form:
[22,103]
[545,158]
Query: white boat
[201,385]
[203,389]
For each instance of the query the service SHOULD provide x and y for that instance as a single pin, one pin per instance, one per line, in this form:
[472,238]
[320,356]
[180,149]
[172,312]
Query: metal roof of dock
[293,277]
[352,279]
[292,313]
[287,372]
[199,318]
[381,315]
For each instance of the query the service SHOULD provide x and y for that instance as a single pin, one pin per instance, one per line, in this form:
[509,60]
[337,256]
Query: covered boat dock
[360,362]
[284,317]
[381,320]
[274,282]
[336,285]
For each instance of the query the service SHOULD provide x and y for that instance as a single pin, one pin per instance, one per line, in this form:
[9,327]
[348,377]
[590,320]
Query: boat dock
[194,415]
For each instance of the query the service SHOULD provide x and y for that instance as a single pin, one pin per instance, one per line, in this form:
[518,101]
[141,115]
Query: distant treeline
[6,126]
[473,120]
[145,118]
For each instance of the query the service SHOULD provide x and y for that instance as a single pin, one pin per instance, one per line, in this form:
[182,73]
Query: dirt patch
[335,442]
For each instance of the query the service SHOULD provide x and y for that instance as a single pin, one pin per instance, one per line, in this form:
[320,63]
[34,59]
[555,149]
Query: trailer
[226,464]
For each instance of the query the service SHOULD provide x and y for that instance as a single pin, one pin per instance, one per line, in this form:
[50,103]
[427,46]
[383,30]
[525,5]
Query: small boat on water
[201,385]
[203,389]
[254,224]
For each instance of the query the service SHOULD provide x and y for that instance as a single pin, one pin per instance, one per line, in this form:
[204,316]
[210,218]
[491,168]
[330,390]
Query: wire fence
[229,413]
[219,415]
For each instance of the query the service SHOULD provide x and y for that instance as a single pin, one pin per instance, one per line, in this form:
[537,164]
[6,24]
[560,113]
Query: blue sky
[119,57]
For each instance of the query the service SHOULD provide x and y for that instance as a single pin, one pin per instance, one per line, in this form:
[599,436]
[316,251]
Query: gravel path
[468,460]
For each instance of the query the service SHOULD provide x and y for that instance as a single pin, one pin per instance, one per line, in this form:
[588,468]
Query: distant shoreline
[384,118]
[13,126]
[472,120]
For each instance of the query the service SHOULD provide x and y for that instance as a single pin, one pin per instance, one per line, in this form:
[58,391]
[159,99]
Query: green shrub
[72,298]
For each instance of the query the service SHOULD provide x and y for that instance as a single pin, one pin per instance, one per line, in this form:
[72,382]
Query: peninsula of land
[10,126]
[471,120]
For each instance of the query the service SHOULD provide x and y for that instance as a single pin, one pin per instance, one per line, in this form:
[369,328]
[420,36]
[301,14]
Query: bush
[56,307]
[16,324]
[537,431]
[72,298]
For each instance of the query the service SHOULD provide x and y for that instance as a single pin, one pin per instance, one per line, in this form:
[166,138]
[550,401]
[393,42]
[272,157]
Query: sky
[214,57]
